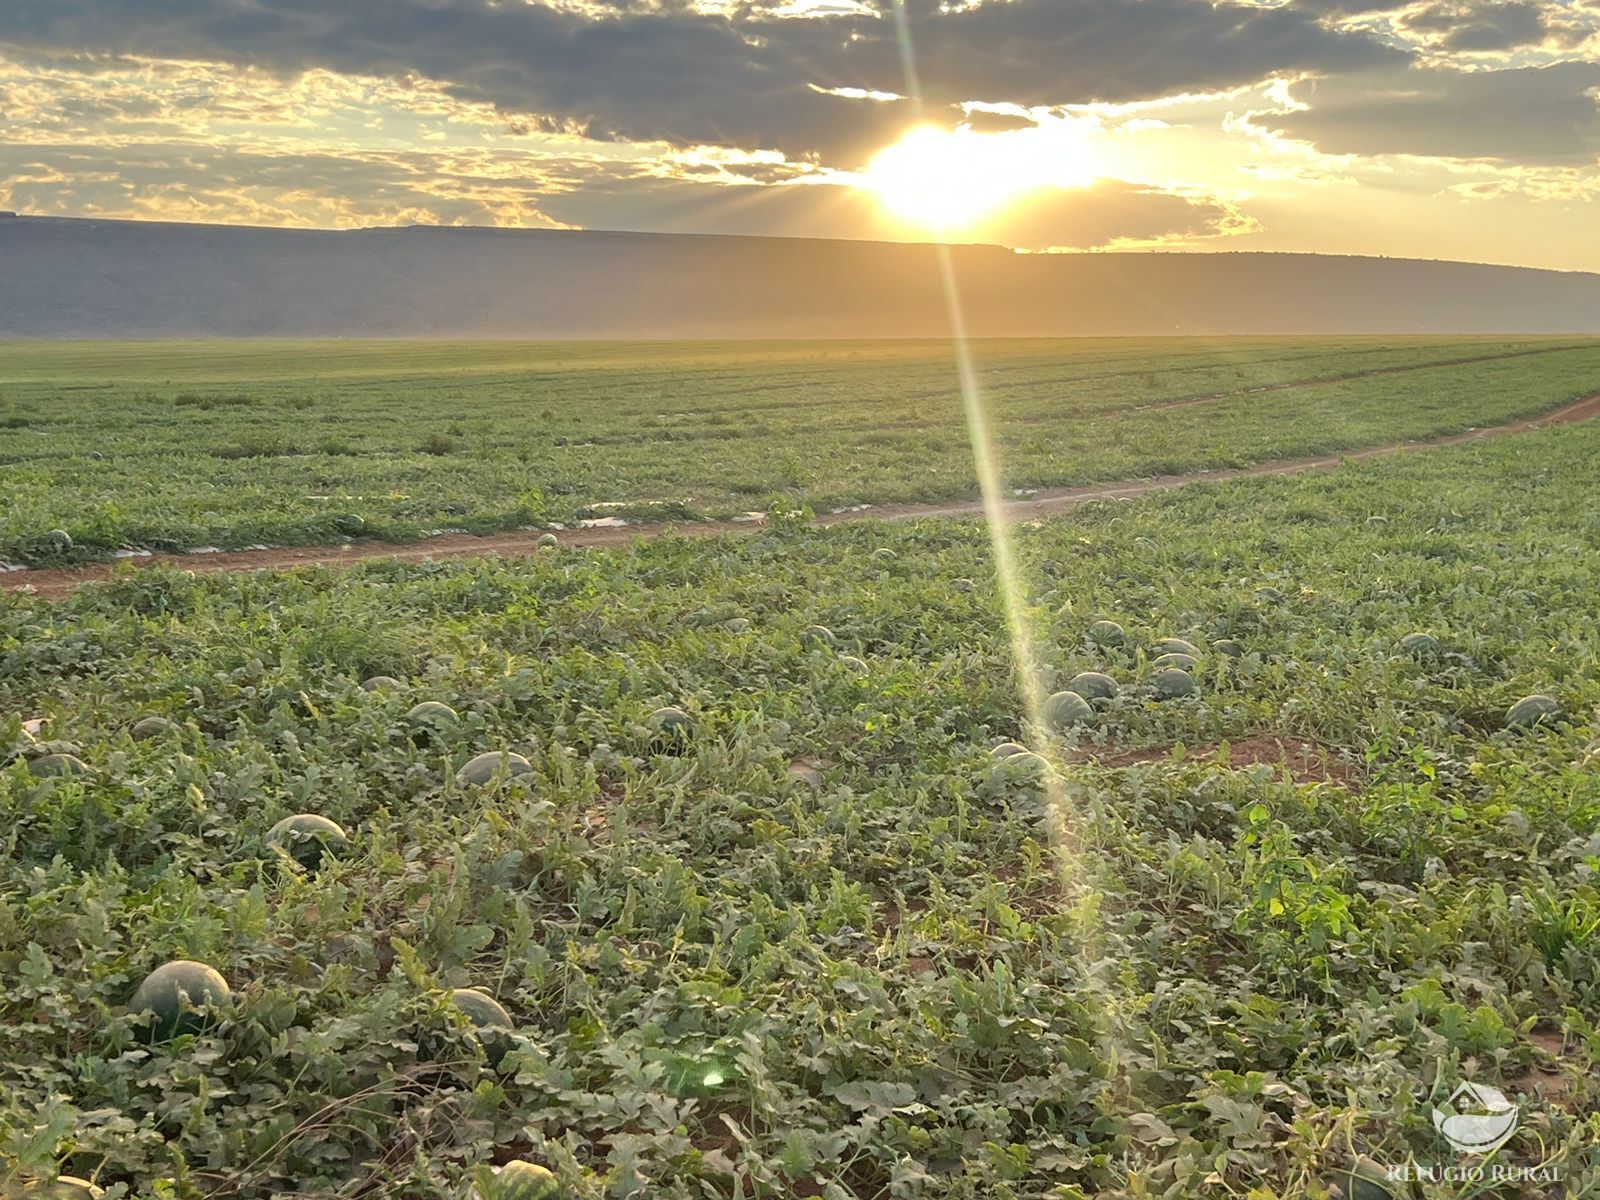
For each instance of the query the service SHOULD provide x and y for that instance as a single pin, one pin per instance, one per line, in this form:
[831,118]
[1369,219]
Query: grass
[170,446]
[728,984]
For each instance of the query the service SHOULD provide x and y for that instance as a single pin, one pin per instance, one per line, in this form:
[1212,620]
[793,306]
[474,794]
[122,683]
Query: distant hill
[92,278]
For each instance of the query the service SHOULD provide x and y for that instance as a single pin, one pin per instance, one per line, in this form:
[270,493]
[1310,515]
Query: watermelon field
[730,868]
[109,448]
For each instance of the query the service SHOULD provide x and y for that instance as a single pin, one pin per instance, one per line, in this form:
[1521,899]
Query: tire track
[56,583]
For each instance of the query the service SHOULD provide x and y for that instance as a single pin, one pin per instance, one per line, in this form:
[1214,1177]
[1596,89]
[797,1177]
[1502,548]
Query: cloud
[1106,213]
[1480,27]
[674,73]
[1528,115]
[193,183]
[481,188]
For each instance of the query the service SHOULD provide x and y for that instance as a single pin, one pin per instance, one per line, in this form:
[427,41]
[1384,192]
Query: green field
[163,446]
[1237,981]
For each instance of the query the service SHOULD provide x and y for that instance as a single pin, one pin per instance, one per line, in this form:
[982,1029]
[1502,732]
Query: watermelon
[1228,647]
[1175,661]
[491,1022]
[548,541]
[56,766]
[380,683]
[1174,645]
[485,768]
[307,838]
[1027,764]
[1420,646]
[146,728]
[179,993]
[62,1187]
[737,625]
[10,743]
[1533,710]
[1269,595]
[807,776]
[519,1180]
[1008,750]
[432,721]
[1107,633]
[1066,709]
[1092,685]
[855,664]
[1362,1187]
[1173,684]
[670,729]
[884,554]
[818,636]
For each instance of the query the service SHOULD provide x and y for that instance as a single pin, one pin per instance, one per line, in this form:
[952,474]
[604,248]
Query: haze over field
[122,279]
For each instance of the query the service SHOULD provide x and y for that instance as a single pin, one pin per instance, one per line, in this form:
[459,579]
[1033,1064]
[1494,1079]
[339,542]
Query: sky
[1453,129]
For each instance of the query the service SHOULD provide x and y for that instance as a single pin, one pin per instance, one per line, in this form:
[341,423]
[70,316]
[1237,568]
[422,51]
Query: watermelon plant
[62,1187]
[14,738]
[895,966]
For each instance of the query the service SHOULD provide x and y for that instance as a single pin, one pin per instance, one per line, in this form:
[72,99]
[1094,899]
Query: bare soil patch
[1304,761]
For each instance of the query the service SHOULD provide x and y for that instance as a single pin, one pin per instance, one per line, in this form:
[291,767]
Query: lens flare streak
[1063,834]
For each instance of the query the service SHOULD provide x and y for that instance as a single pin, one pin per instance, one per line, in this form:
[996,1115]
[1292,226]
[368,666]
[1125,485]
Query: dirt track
[53,583]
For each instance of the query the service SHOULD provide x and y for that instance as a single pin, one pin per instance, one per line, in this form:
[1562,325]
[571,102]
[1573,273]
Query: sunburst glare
[950,180]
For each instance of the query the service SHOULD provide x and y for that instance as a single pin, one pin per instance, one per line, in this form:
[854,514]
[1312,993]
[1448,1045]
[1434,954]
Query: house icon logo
[1476,1119]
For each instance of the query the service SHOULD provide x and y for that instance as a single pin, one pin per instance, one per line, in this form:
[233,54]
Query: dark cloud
[1543,115]
[1108,213]
[200,183]
[1066,218]
[217,183]
[1482,27]
[665,71]
[1350,7]
[981,121]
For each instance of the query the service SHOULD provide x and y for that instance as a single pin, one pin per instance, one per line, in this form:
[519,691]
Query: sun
[946,180]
